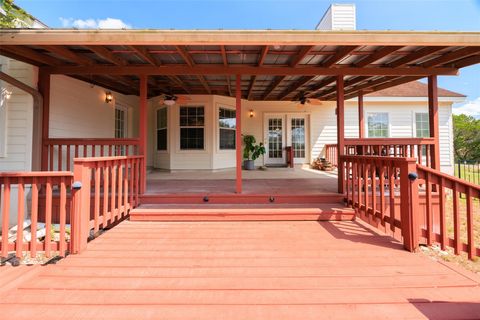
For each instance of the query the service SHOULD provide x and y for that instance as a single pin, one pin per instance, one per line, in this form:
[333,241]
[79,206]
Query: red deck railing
[59,153]
[98,194]
[412,202]
[35,193]
[419,148]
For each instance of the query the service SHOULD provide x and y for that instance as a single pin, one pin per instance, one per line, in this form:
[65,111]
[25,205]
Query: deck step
[243,212]
[198,198]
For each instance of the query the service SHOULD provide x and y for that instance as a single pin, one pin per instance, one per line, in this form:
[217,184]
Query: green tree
[12,16]
[466,133]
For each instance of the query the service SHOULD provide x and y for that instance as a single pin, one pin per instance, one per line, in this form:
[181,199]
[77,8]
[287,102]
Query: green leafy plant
[13,16]
[251,150]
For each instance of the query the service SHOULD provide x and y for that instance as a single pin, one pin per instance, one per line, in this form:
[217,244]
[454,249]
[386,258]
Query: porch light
[250,113]
[169,102]
[108,97]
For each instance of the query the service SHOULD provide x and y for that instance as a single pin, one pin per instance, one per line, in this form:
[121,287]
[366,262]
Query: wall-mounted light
[108,97]
[250,113]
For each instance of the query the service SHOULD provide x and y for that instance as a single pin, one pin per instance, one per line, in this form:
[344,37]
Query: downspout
[37,119]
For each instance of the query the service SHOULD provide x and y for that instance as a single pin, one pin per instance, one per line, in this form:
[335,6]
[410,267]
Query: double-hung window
[422,126]
[227,127]
[192,128]
[377,125]
[162,127]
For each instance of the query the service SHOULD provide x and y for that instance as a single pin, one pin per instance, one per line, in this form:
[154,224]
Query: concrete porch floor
[271,181]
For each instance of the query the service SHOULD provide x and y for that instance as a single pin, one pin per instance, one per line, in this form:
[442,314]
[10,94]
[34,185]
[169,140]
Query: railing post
[409,205]
[81,207]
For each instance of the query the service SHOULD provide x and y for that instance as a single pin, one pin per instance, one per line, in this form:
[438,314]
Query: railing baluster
[48,217]
[68,158]
[374,190]
[391,195]
[120,190]
[113,193]
[106,191]
[456,220]
[34,219]
[63,216]
[96,209]
[470,225]
[429,213]
[382,195]
[5,216]
[20,217]
[443,224]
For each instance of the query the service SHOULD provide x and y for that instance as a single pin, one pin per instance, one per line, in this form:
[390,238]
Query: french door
[282,130]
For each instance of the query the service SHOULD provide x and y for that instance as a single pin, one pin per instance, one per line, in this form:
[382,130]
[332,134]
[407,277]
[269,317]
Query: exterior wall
[78,110]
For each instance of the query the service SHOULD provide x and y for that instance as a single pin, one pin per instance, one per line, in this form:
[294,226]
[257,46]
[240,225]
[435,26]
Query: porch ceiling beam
[294,87]
[143,53]
[223,51]
[341,53]
[304,51]
[414,56]
[318,86]
[250,70]
[189,61]
[332,90]
[451,56]
[385,85]
[261,59]
[69,55]
[363,86]
[272,87]
[377,55]
[466,61]
[107,55]
[107,84]
[31,54]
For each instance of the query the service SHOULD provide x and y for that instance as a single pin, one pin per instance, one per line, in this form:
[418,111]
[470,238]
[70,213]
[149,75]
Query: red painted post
[143,130]
[340,130]
[44,88]
[361,123]
[433,121]
[409,205]
[81,214]
[238,133]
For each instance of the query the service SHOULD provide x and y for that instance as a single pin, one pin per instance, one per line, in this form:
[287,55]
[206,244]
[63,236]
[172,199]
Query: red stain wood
[248,270]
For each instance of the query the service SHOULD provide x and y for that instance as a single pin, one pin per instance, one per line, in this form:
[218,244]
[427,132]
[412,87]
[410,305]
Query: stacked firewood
[322,164]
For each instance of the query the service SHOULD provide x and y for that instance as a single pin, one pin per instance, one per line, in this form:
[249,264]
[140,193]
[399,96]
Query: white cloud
[470,108]
[108,23]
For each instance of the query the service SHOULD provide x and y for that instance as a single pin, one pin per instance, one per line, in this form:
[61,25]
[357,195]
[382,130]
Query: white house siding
[17,118]
[78,110]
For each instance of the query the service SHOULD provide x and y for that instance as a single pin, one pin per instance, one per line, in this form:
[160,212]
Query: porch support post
[433,121]
[340,129]
[143,131]
[238,133]
[44,88]
[361,123]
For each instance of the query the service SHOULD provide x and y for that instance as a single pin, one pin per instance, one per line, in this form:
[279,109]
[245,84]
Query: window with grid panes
[227,126]
[162,125]
[377,125]
[192,127]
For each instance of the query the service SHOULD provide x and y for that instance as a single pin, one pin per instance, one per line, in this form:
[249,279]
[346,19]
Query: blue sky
[444,15]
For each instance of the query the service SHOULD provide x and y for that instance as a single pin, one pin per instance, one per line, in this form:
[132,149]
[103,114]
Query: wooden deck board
[244,270]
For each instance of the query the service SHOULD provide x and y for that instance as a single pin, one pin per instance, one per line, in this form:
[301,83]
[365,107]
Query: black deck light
[271,199]
[412,176]
[206,199]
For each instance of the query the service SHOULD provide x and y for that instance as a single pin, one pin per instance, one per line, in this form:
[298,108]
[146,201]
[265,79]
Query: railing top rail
[35,174]
[377,158]
[103,159]
[388,141]
[449,177]
[89,141]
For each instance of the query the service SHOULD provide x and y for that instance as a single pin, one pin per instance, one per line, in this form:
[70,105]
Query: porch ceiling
[275,65]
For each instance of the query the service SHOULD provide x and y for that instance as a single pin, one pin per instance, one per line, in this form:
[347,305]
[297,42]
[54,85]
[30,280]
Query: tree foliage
[466,132]
[12,16]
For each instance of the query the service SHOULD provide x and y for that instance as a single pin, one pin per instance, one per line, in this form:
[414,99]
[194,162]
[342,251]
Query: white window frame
[367,114]
[415,124]
[125,120]
[217,119]
[179,142]
[167,128]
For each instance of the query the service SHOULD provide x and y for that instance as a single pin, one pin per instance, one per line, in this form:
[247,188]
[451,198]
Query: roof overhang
[274,64]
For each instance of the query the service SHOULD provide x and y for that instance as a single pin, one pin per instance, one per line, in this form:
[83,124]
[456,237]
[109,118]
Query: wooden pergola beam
[466,62]
[341,53]
[379,54]
[69,55]
[302,81]
[189,61]
[223,52]
[381,84]
[451,56]
[304,51]
[320,85]
[31,54]
[107,55]
[261,59]
[414,56]
[272,87]
[143,53]
[250,70]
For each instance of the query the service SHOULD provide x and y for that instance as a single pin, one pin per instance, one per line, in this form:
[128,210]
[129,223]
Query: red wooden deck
[242,270]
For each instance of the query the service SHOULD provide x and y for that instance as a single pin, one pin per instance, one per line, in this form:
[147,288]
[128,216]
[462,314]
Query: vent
[339,17]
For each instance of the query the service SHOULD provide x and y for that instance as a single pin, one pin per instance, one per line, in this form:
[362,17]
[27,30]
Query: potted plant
[251,151]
